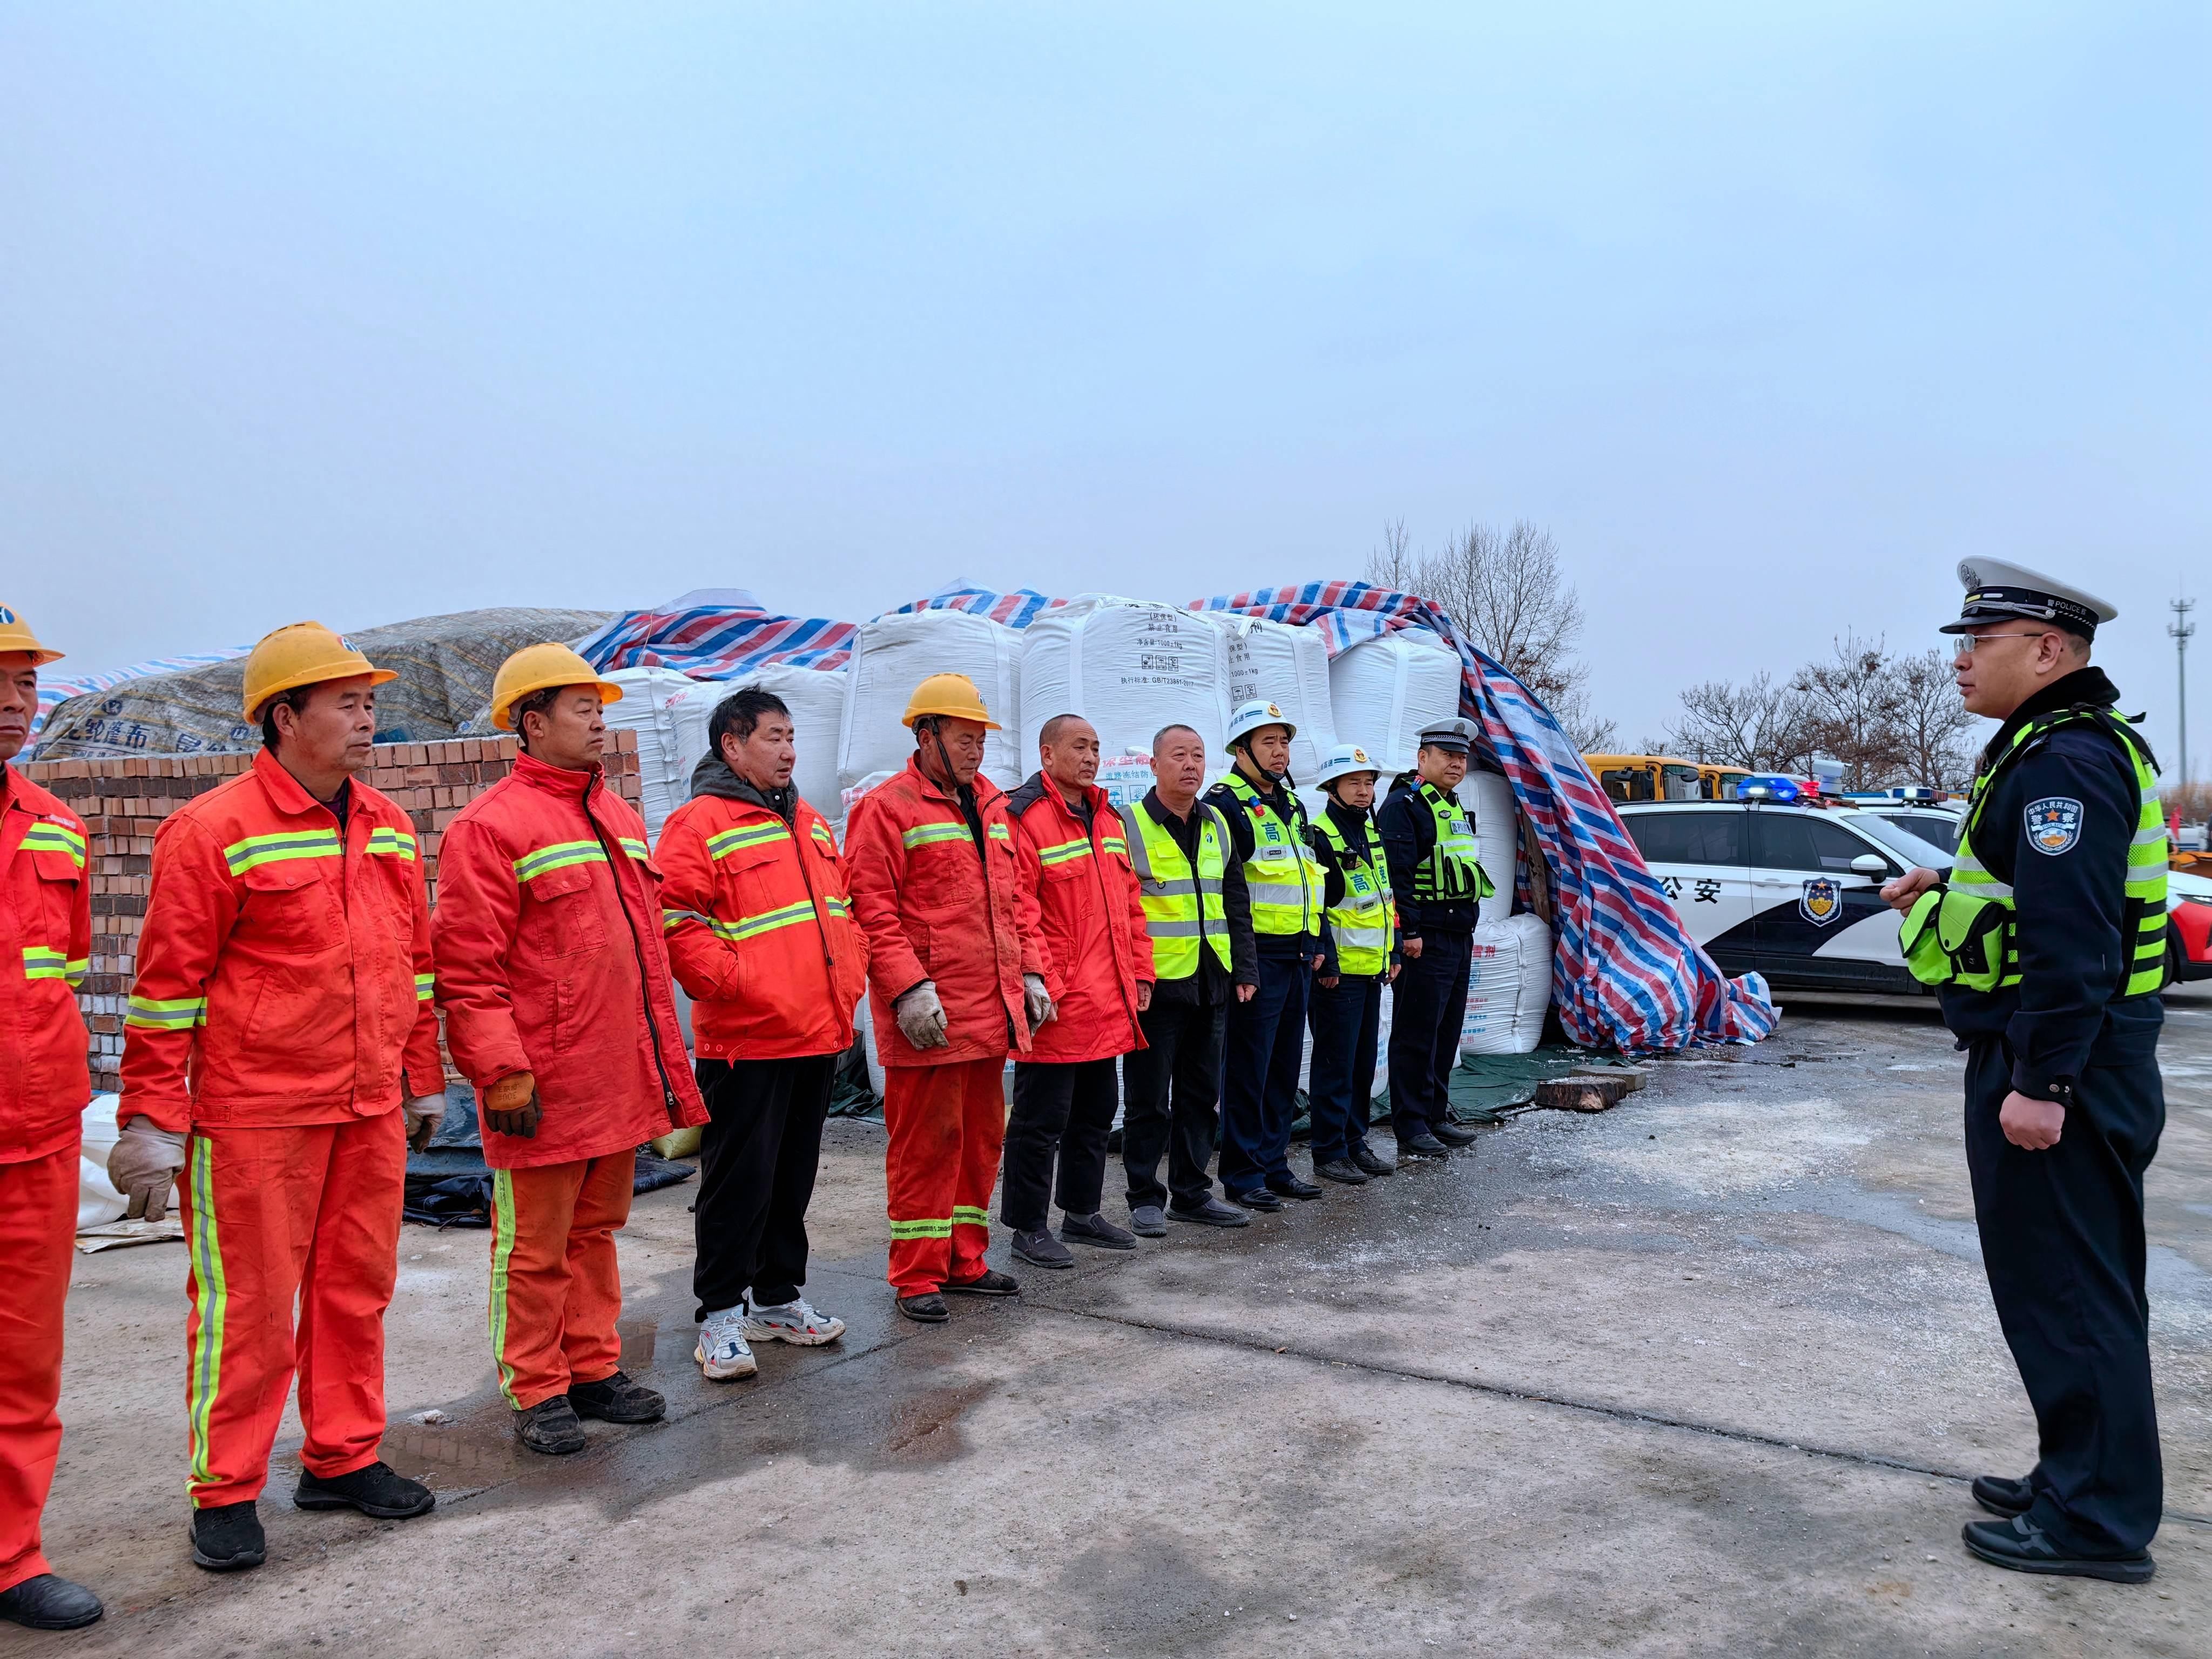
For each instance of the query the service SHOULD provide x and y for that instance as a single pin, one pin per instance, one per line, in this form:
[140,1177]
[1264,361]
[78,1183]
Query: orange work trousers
[947,1123]
[305,1214]
[38,1227]
[556,1287]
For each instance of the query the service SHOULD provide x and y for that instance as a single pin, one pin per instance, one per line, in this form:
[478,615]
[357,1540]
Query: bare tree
[1392,564]
[1758,725]
[1853,710]
[1571,706]
[1933,727]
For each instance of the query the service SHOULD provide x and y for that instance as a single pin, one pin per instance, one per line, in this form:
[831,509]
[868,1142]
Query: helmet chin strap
[1275,780]
[945,761]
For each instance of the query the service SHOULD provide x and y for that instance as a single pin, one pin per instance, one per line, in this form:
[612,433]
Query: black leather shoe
[49,1601]
[617,1399]
[551,1427]
[1258,1199]
[373,1490]
[1999,1494]
[1290,1186]
[1042,1249]
[1096,1230]
[928,1309]
[1422,1145]
[2022,1546]
[228,1537]
[1452,1135]
[1213,1213]
[1341,1170]
[989,1282]
[1148,1221]
[1370,1161]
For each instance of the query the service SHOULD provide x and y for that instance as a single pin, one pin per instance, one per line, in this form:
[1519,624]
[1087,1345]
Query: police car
[1793,892]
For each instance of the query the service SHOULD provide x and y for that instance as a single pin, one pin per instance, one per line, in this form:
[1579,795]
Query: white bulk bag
[97,1203]
[1535,999]
[1489,801]
[1383,691]
[816,697]
[1129,667]
[1493,992]
[668,711]
[893,654]
[1288,666]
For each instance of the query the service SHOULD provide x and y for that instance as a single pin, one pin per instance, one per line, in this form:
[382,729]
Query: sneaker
[722,1352]
[1149,1221]
[1095,1229]
[615,1398]
[550,1427]
[375,1491]
[2023,1546]
[48,1601]
[228,1537]
[1999,1494]
[794,1321]
[1042,1249]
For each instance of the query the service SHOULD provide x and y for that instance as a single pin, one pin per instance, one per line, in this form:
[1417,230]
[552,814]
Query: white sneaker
[723,1353]
[791,1321]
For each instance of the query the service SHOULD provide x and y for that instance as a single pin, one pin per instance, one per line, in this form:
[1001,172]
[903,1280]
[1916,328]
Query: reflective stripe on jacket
[1363,922]
[1451,870]
[1081,900]
[45,945]
[548,909]
[1286,882]
[284,968]
[1180,905]
[935,910]
[760,930]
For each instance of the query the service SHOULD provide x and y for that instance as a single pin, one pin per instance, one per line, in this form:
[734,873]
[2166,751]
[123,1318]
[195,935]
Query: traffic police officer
[2049,943]
[1428,841]
[1347,1011]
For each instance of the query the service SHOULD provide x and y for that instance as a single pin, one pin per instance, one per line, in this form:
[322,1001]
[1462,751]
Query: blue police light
[1919,791]
[1774,788]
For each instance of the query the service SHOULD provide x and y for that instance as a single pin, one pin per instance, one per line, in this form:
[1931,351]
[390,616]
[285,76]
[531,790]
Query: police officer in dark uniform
[2048,939]
[1428,840]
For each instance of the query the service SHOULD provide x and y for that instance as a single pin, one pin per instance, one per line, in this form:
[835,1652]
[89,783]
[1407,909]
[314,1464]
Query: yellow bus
[1663,777]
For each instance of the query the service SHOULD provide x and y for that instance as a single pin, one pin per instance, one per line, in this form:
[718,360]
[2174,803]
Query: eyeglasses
[1964,644]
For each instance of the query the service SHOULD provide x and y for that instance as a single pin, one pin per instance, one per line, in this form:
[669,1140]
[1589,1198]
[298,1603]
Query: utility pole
[2181,627]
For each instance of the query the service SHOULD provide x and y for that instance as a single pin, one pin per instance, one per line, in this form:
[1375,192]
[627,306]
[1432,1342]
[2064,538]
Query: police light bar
[1767,789]
[1918,791]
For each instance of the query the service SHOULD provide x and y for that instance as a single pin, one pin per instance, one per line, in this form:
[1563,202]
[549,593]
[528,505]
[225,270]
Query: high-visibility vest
[1363,921]
[1181,906]
[1964,932]
[1283,877]
[1451,871]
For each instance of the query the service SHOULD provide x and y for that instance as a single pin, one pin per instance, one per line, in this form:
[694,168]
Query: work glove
[425,1114]
[143,1166]
[1035,1000]
[921,1017]
[511,1106]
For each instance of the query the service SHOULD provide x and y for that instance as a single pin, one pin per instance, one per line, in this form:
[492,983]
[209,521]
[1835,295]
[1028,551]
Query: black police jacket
[1409,835]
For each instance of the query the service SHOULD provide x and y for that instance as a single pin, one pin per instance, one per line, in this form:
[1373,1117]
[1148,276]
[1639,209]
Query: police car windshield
[1903,843]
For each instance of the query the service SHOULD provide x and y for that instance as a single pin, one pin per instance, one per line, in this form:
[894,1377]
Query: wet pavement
[1704,1373]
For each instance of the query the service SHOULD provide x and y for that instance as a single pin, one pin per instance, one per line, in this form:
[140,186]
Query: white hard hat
[1251,716]
[1346,758]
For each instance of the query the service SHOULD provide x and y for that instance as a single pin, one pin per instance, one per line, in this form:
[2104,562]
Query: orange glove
[511,1106]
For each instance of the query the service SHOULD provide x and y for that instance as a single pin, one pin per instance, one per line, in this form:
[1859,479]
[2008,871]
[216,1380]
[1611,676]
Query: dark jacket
[2063,1014]
[1209,987]
[1409,835]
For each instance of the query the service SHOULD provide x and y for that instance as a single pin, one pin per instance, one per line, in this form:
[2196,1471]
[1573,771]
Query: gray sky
[1770,314]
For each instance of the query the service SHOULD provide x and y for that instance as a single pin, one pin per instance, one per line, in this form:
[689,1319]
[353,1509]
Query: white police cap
[1997,591]
[1456,735]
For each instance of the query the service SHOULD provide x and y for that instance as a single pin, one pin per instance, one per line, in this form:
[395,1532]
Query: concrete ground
[1705,1374]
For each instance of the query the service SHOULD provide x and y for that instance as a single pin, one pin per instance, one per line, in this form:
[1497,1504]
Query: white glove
[1035,1000]
[424,1114]
[921,1017]
[143,1166]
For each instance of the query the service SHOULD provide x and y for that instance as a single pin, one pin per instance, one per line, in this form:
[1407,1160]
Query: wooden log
[1581,1094]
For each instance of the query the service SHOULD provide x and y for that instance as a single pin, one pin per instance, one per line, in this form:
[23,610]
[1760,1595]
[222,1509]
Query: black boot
[551,1427]
[616,1398]
[228,1537]
[49,1601]
[373,1490]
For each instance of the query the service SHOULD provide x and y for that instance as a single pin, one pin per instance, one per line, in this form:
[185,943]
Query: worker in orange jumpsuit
[956,982]
[46,942]
[555,985]
[280,1050]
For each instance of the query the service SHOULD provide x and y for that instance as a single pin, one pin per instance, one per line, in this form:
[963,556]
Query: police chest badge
[2054,825]
[1821,902]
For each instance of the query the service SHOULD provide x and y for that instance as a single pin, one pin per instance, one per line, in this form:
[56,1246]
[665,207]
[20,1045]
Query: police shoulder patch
[2054,824]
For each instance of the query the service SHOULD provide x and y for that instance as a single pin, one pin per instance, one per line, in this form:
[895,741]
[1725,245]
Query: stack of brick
[121,801]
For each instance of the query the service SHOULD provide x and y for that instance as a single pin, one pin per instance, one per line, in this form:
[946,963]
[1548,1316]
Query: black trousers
[1063,1108]
[2062,1244]
[1345,1023]
[1427,1007]
[1182,1062]
[756,1161]
[1265,1040]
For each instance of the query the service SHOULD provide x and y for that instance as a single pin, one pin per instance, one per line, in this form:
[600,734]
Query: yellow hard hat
[954,695]
[536,668]
[303,653]
[15,635]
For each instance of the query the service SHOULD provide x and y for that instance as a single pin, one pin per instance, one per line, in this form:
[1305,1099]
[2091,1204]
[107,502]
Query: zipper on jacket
[1119,920]
[637,949]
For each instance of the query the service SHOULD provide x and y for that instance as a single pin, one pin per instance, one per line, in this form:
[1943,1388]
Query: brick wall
[121,801]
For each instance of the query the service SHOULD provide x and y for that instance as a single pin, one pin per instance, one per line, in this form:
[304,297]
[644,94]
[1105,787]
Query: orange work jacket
[1082,898]
[46,944]
[284,966]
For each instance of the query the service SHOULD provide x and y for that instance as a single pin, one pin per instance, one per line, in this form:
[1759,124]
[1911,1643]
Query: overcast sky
[1768,314]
